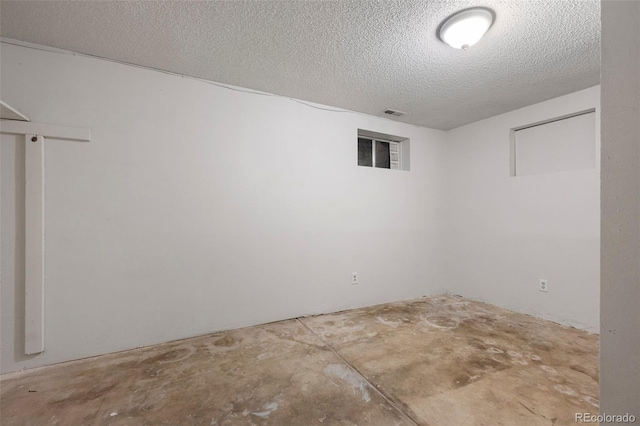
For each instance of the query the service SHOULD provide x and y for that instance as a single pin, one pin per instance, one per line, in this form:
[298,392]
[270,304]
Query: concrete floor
[439,361]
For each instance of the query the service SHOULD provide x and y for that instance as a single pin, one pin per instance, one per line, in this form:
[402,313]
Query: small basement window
[382,151]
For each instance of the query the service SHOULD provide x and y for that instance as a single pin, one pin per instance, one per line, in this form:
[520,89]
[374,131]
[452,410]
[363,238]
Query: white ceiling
[360,55]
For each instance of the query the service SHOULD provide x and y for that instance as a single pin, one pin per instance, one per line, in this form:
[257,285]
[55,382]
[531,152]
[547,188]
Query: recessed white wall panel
[557,146]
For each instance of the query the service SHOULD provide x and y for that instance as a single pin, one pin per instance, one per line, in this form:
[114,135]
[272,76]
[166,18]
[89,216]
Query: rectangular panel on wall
[557,145]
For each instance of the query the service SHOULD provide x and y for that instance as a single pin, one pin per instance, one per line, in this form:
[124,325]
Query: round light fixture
[465,28]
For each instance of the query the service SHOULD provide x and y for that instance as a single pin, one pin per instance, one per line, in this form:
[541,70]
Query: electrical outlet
[354,278]
[544,286]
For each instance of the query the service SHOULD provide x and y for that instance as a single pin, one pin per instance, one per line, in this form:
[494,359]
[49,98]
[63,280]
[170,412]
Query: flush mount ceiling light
[465,28]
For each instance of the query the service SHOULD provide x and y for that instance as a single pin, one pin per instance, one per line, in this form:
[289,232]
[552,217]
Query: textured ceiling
[360,55]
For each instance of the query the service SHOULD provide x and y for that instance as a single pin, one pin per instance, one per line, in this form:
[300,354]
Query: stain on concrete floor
[441,360]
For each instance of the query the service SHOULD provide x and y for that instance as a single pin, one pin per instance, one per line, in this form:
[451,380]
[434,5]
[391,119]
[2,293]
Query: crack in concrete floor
[372,385]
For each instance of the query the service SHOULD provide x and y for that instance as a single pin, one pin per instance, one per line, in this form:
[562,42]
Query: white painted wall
[505,233]
[196,208]
[620,293]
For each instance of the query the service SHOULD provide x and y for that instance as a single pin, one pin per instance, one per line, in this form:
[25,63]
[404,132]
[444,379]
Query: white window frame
[391,143]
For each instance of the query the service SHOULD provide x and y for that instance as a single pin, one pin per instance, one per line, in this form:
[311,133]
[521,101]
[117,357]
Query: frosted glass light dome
[465,28]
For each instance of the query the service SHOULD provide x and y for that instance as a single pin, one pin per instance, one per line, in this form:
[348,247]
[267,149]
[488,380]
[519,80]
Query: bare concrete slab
[450,361]
[440,360]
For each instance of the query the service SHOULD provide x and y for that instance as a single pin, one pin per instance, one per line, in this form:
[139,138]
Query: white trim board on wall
[34,139]
[34,245]
[51,131]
